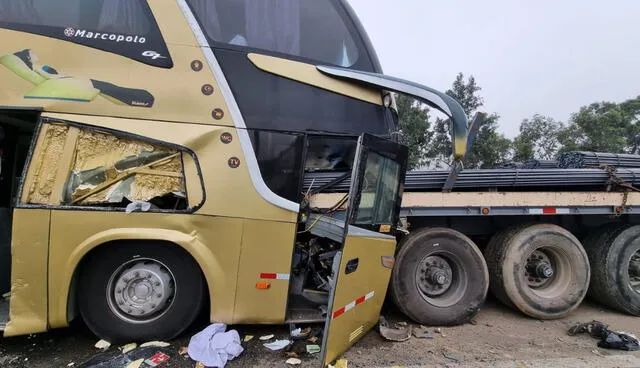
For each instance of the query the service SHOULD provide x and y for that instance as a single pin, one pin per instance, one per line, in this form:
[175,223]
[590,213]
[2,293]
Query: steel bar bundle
[505,179]
[581,159]
[530,164]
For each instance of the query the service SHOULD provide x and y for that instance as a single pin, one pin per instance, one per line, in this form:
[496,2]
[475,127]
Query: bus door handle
[352,266]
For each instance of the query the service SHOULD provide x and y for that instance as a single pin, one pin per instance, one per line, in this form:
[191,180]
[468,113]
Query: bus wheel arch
[146,264]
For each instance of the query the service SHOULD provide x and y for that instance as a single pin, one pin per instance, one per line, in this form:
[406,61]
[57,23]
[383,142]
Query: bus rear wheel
[139,291]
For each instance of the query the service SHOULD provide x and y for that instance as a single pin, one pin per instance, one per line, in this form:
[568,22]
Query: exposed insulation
[105,169]
[99,150]
[46,164]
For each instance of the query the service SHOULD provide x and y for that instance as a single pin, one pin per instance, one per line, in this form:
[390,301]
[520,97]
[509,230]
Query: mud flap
[361,286]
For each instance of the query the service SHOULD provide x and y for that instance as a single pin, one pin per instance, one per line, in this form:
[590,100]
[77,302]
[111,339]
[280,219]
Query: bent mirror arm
[429,96]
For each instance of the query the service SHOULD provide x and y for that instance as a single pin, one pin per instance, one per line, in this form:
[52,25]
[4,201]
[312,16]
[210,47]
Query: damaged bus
[152,161]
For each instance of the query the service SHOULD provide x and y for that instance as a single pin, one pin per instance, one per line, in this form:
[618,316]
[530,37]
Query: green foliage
[414,128]
[490,148]
[539,138]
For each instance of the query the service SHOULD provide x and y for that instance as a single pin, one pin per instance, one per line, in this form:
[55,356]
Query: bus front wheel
[139,291]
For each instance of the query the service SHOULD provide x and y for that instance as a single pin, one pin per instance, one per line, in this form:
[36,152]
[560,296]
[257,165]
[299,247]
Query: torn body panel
[84,167]
[28,300]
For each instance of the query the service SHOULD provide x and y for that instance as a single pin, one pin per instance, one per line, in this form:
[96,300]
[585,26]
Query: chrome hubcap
[141,290]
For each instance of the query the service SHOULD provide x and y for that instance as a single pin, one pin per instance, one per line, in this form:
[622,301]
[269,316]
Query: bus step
[4,313]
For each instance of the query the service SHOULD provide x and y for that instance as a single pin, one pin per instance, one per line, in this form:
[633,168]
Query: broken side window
[74,166]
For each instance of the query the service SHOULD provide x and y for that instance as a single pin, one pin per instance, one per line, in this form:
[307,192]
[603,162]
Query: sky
[536,56]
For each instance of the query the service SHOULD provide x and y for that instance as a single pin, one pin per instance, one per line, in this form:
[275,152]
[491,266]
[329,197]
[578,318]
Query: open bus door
[362,269]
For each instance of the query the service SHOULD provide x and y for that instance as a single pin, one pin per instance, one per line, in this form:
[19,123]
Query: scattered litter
[298,333]
[157,359]
[266,337]
[102,344]
[423,333]
[313,349]
[438,330]
[127,348]
[214,347]
[200,365]
[294,361]
[158,344]
[135,364]
[277,345]
[115,358]
[71,364]
[296,349]
[183,350]
[451,357]
[313,339]
[340,363]
[248,338]
[398,334]
[608,339]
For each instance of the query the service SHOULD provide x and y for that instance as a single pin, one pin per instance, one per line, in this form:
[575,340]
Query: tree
[538,138]
[414,125]
[440,149]
[600,127]
[490,148]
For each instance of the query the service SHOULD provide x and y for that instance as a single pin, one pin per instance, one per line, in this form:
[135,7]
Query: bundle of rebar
[499,179]
[583,159]
[530,164]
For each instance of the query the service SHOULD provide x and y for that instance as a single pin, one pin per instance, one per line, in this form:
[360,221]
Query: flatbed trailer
[540,252]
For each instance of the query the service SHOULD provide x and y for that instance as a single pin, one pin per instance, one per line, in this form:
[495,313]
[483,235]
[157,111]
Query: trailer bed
[506,203]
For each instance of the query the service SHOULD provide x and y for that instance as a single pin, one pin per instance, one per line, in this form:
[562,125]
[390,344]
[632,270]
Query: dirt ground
[498,337]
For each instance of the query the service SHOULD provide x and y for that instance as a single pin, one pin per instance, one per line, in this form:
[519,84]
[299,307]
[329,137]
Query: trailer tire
[139,291]
[458,276]
[541,270]
[614,253]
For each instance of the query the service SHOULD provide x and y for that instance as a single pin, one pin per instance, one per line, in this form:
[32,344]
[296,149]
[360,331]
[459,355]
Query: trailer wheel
[541,270]
[139,291]
[614,253]
[440,277]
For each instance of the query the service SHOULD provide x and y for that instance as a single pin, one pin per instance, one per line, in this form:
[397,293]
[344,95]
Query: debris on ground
[618,340]
[135,364]
[299,333]
[399,332]
[157,359]
[313,339]
[247,338]
[277,345]
[313,349]
[158,344]
[453,357]
[340,363]
[115,358]
[266,337]
[102,344]
[438,330]
[423,333]
[214,347]
[128,347]
[296,349]
[294,361]
[183,350]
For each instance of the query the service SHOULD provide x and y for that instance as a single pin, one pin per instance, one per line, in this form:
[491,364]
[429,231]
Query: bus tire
[139,291]
[541,270]
[440,277]
[614,253]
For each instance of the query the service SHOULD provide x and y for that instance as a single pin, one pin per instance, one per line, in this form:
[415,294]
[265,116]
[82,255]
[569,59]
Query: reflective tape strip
[337,313]
[274,276]
[549,211]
